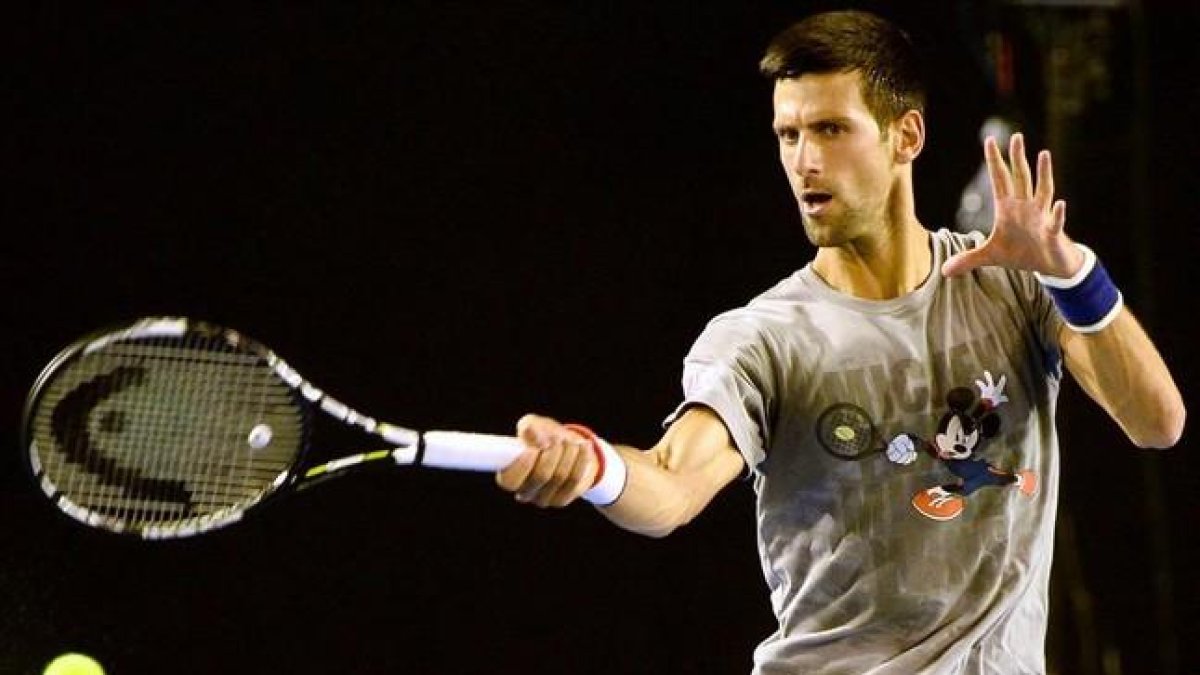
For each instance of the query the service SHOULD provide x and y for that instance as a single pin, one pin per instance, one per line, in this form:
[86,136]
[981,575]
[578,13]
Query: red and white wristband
[610,478]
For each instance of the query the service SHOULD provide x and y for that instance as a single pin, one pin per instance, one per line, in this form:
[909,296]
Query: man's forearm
[1121,369]
[659,498]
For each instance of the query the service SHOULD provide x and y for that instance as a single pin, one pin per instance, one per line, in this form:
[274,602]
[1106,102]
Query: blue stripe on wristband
[1089,300]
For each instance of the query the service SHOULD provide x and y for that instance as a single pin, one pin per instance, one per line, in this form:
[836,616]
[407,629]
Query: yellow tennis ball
[74,664]
[843,433]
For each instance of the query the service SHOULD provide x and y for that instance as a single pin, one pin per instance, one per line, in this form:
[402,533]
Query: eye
[787,135]
[828,129]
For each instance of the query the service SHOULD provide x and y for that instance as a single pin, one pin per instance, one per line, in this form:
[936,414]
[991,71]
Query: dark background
[450,214]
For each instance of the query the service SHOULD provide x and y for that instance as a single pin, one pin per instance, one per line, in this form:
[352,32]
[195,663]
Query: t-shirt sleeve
[1044,319]
[728,370]
[1038,311]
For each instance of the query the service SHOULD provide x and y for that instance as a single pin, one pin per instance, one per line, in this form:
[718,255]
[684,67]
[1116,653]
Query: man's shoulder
[779,299]
[771,311]
[958,241]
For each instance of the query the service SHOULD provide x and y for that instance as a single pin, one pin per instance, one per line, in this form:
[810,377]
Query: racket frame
[406,442]
[440,449]
[871,447]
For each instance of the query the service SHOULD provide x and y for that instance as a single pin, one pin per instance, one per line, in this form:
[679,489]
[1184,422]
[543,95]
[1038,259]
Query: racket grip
[469,451]
[487,452]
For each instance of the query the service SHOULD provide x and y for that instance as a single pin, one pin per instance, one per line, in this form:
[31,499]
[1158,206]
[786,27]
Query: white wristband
[1089,262]
[610,482]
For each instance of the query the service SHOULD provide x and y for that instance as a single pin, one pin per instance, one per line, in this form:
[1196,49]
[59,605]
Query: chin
[823,235]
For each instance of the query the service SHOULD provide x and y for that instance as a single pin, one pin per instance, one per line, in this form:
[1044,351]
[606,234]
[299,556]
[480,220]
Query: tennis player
[933,554]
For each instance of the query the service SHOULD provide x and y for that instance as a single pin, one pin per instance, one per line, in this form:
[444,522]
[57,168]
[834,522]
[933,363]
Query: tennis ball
[259,436]
[73,664]
[844,433]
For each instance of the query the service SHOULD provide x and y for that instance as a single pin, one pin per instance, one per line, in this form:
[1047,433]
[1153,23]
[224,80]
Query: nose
[806,157]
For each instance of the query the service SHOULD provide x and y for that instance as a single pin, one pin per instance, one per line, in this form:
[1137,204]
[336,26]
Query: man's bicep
[699,443]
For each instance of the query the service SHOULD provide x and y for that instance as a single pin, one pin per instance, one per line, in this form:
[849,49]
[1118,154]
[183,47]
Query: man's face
[838,162]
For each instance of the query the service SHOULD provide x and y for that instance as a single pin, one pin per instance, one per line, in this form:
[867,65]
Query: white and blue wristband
[1088,300]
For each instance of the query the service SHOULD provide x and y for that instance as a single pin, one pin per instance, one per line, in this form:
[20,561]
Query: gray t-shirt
[940,565]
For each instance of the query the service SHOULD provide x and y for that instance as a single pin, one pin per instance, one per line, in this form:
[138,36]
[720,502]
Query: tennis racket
[846,432]
[168,427]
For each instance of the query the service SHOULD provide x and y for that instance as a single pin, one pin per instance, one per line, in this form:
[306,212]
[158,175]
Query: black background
[450,214]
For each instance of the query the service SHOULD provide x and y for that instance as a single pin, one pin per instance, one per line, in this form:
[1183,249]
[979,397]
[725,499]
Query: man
[894,399]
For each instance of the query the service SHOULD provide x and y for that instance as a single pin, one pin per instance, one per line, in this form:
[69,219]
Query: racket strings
[151,463]
[216,481]
[846,431]
[155,430]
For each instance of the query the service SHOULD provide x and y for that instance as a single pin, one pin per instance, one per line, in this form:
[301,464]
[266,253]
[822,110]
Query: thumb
[965,261]
[513,476]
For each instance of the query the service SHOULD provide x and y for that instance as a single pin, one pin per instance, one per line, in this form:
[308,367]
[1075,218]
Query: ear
[960,399]
[908,137]
[989,425]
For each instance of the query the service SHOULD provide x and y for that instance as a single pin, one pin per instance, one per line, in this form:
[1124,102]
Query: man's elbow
[659,533]
[665,524]
[1165,431]
[669,515]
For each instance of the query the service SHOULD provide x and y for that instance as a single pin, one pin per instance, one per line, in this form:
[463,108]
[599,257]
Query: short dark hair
[848,41]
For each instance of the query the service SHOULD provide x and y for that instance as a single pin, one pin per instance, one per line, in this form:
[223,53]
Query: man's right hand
[902,450]
[557,466]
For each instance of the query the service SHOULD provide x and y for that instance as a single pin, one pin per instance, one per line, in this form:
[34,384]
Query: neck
[890,262]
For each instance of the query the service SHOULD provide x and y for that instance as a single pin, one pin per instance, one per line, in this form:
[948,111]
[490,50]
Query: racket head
[163,428]
[846,431]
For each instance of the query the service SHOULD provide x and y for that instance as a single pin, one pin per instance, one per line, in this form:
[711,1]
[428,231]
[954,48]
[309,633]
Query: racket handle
[486,452]
[470,452]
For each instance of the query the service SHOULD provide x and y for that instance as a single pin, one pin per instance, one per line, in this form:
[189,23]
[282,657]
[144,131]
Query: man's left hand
[1028,230]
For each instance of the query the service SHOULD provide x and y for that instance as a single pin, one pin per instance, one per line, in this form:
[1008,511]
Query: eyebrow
[835,119]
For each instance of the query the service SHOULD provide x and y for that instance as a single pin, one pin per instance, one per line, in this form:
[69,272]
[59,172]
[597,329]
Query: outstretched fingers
[997,170]
[1059,212]
[1022,178]
[1045,180]
[1028,220]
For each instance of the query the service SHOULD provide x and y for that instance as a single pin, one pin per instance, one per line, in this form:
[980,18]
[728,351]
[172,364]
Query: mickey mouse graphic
[960,434]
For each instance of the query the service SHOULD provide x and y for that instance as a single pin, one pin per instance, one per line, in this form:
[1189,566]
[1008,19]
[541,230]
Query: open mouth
[815,201]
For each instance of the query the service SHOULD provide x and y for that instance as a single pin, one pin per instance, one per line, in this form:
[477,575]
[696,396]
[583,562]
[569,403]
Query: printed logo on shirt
[846,431]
